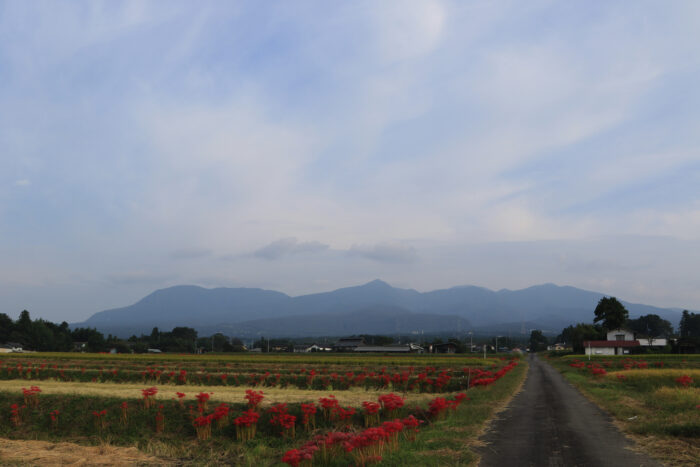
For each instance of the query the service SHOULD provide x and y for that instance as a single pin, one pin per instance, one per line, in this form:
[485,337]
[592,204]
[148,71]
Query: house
[301,348]
[79,346]
[348,344]
[619,342]
[558,346]
[10,347]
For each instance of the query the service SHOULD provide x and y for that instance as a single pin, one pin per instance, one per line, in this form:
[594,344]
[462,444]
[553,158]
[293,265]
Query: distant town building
[301,348]
[10,347]
[348,344]
[449,347]
[407,348]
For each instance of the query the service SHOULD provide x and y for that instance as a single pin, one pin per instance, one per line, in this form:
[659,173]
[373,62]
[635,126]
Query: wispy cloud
[288,246]
[389,252]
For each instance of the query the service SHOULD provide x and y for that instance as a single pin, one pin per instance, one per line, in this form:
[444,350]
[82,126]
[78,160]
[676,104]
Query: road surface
[551,424]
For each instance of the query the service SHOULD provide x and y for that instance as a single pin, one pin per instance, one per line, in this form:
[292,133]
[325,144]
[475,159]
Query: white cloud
[22,182]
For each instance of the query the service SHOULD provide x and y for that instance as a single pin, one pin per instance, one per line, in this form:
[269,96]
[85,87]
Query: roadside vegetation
[654,398]
[417,410]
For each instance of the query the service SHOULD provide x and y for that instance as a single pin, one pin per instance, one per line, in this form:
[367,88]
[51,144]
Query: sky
[304,146]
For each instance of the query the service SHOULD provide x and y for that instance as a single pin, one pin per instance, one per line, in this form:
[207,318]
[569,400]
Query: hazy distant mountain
[373,308]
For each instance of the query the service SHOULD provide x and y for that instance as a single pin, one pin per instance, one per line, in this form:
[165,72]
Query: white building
[618,342]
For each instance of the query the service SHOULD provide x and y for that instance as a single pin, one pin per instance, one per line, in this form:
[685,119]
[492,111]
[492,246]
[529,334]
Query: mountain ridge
[254,311]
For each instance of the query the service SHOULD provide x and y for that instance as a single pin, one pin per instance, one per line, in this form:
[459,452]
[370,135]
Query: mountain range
[372,308]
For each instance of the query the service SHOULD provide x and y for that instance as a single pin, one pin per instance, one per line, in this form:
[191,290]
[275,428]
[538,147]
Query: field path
[551,424]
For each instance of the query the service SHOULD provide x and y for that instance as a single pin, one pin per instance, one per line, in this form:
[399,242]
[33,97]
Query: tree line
[45,336]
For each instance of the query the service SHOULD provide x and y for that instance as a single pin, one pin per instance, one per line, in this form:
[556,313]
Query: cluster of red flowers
[202,400]
[371,413]
[684,381]
[254,398]
[309,415]
[246,425]
[598,371]
[148,395]
[31,396]
[328,405]
[390,403]
[15,415]
[366,446]
[284,420]
[485,378]
[438,407]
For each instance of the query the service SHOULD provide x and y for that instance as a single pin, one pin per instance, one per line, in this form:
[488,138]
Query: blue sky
[304,146]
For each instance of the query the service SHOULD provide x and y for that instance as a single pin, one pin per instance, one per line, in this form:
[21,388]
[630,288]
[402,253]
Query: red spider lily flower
[390,402]
[54,418]
[246,425]
[684,381]
[15,415]
[309,416]
[328,406]
[254,398]
[100,421]
[148,395]
[202,400]
[202,426]
[371,413]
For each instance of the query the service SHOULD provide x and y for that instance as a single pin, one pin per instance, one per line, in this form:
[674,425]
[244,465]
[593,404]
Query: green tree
[236,345]
[650,327]
[22,329]
[538,341]
[576,334]
[6,327]
[611,312]
[95,340]
[690,324]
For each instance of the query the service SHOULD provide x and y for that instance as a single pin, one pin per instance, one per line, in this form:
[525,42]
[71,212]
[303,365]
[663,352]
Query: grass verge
[661,415]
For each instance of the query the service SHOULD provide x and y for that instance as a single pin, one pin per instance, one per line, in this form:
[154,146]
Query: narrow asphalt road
[551,424]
